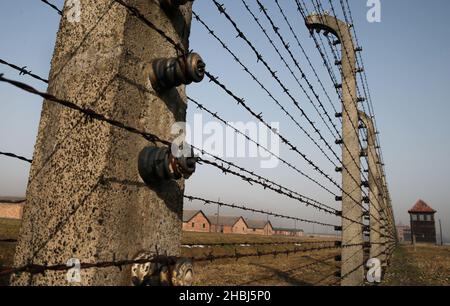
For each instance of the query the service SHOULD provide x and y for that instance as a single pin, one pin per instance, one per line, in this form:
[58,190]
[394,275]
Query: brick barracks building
[279,231]
[423,227]
[11,207]
[197,221]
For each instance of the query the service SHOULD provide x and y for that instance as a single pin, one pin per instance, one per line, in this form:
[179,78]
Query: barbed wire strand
[306,57]
[316,261]
[287,47]
[155,139]
[86,111]
[12,155]
[260,211]
[217,117]
[346,83]
[240,101]
[40,269]
[273,73]
[300,9]
[53,7]
[251,244]
[252,75]
[288,67]
[23,70]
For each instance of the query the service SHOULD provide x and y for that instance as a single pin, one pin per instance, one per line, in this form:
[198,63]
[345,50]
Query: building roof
[421,207]
[224,220]
[287,229]
[189,214]
[257,224]
[12,200]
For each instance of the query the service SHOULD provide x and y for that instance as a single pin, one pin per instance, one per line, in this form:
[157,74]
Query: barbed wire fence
[321,179]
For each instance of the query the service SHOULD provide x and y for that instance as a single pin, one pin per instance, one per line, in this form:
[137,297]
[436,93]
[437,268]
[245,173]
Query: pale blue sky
[407,63]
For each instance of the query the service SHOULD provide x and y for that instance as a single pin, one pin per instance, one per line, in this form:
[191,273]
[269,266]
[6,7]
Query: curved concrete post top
[368,122]
[328,23]
[337,27]
[371,137]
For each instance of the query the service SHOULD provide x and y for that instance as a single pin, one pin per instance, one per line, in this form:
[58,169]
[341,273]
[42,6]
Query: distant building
[11,207]
[228,225]
[196,221]
[259,227]
[403,232]
[422,222]
[279,231]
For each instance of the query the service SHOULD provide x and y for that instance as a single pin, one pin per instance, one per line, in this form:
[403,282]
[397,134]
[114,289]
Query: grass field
[424,265]
[308,268]
[9,229]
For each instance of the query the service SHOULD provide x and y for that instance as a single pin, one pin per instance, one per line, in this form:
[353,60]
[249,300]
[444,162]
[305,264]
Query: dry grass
[192,237]
[306,268]
[426,265]
[9,229]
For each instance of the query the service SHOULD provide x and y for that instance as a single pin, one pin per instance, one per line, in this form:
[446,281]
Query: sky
[408,70]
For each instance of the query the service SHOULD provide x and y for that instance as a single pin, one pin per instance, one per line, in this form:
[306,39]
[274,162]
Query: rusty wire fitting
[171,271]
[158,164]
[145,274]
[364,153]
[167,73]
[182,273]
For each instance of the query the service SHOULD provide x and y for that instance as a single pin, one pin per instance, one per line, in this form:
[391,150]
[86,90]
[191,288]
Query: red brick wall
[11,211]
[201,224]
[256,231]
[240,227]
[266,231]
[282,233]
[225,229]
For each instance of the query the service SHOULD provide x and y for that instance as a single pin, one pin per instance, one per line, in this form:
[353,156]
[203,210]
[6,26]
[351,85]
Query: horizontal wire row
[219,163]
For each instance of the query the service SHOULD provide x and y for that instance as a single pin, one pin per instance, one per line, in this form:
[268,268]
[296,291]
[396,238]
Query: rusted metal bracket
[167,73]
[158,164]
[161,271]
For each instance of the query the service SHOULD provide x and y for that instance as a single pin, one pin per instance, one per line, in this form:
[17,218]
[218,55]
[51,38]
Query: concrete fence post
[386,219]
[352,232]
[85,197]
[373,174]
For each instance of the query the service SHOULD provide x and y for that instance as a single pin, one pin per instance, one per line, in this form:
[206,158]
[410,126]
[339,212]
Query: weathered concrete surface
[352,257]
[388,228]
[85,198]
[376,248]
